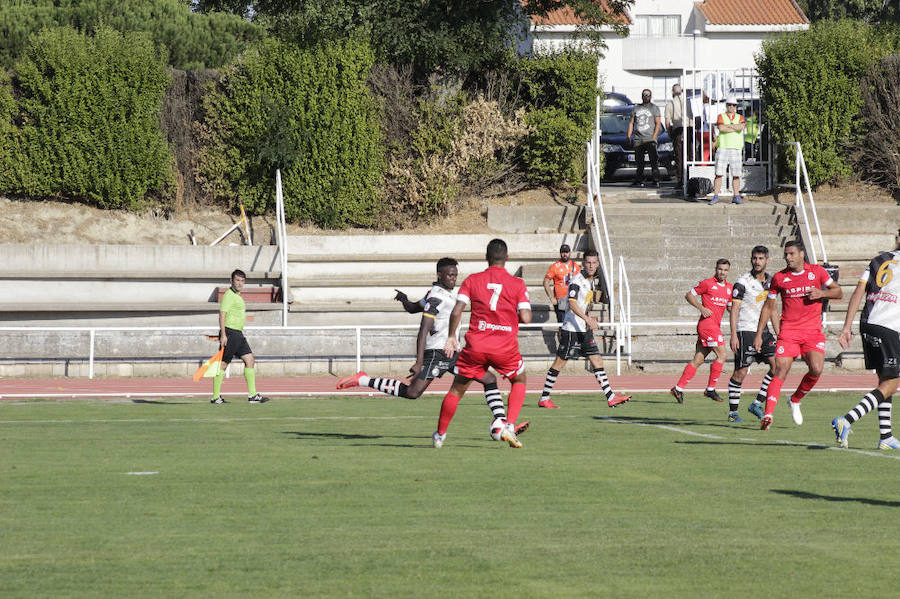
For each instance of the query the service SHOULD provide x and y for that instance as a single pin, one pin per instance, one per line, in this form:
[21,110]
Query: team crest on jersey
[811,276]
[435,371]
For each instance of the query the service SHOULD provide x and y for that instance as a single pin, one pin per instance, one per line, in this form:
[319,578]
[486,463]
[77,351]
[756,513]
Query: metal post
[358,350]
[91,357]
[281,228]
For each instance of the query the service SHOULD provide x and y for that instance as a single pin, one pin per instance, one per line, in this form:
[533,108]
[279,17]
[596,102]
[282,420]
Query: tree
[191,40]
[431,35]
[871,11]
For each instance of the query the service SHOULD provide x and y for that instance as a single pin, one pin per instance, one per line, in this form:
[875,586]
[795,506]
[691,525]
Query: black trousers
[650,148]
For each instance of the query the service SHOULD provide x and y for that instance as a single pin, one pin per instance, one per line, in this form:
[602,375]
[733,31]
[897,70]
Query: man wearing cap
[729,144]
[556,283]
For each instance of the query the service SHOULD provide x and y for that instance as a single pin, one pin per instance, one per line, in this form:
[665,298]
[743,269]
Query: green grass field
[346,497]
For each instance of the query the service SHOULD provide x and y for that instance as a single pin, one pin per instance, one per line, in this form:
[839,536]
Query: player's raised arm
[409,306]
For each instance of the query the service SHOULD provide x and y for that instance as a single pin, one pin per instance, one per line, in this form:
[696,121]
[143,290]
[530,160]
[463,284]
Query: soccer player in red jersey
[800,286]
[499,301]
[715,296]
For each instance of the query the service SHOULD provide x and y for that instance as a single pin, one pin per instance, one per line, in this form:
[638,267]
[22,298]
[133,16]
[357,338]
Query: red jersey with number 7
[495,297]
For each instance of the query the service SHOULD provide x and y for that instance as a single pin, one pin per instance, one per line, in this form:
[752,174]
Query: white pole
[282,246]
[91,357]
[358,350]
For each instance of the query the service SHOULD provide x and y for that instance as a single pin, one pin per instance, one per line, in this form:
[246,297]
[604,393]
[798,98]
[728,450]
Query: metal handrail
[281,236]
[599,218]
[92,332]
[624,311]
[800,166]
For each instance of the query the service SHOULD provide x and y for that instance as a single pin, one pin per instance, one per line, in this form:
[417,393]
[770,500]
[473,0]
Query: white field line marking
[141,473]
[879,454]
[261,419]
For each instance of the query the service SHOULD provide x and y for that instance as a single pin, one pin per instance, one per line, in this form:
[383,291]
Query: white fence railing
[622,328]
[92,332]
[618,288]
[800,204]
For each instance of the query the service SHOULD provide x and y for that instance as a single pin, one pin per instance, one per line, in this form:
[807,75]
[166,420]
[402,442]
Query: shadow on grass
[618,416]
[865,500]
[303,435]
[419,444]
[160,403]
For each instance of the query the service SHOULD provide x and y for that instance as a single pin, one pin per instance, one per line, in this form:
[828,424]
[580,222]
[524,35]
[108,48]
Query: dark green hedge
[559,91]
[191,40]
[307,111]
[85,123]
[811,87]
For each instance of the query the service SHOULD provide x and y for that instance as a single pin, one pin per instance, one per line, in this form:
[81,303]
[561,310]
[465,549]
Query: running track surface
[66,388]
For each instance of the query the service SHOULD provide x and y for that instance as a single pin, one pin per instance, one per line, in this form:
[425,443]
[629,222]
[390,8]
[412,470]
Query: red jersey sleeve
[701,287]
[465,293]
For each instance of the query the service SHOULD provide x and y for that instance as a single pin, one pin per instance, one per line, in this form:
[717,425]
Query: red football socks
[715,369]
[805,387]
[687,375]
[516,400]
[448,409]
[772,394]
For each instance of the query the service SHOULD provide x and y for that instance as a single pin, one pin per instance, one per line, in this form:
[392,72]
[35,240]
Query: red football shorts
[791,344]
[473,364]
[709,335]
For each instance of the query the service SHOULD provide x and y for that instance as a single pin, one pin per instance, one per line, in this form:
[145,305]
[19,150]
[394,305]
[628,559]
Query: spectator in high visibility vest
[751,135]
[729,144]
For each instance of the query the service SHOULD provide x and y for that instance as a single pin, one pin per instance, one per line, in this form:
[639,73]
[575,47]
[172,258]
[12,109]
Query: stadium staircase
[668,249]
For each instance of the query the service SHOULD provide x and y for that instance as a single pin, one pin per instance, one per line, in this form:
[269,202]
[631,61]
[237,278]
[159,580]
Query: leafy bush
[810,84]
[191,40]
[86,121]
[566,80]
[560,91]
[455,148]
[553,149]
[307,111]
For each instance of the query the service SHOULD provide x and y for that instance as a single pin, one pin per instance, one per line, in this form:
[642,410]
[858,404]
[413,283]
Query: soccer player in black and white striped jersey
[747,298]
[577,334]
[879,326]
[431,363]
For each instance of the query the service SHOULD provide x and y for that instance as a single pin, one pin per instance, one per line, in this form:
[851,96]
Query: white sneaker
[438,440]
[795,413]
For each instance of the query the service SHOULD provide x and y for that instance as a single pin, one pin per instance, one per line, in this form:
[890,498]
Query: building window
[656,26]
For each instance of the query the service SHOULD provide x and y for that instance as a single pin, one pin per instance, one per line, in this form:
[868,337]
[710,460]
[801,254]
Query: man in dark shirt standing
[645,126]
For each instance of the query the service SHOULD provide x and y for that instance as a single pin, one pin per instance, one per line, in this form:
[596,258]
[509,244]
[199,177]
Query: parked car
[613,99]
[618,151]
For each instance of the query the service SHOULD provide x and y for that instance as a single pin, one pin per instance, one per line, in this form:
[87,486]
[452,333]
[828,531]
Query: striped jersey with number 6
[882,279]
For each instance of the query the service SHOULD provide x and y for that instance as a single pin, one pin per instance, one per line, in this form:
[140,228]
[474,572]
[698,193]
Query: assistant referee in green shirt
[232,315]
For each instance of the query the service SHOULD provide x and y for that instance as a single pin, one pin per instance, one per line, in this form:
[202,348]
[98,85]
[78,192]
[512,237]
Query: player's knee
[249,362]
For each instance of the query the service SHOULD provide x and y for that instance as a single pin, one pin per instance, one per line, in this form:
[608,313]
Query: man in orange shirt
[556,283]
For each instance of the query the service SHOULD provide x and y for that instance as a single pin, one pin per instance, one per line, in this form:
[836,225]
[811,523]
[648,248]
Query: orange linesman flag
[211,367]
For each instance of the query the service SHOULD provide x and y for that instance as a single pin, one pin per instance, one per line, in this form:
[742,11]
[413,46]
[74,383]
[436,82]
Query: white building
[667,36]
